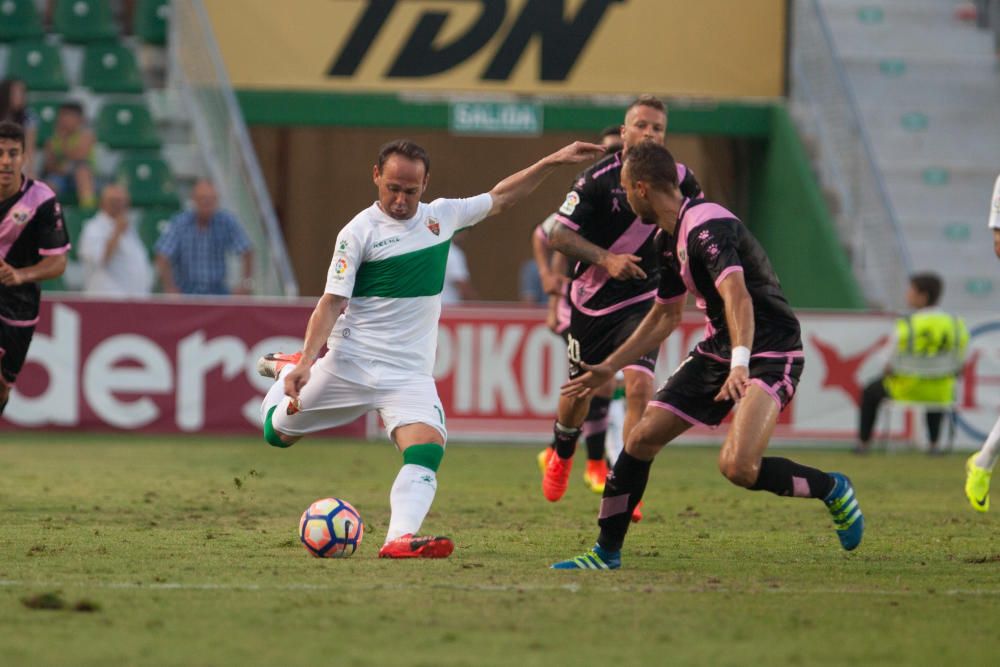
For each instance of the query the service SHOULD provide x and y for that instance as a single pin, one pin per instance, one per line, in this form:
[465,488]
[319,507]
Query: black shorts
[690,391]
[592,339]
[14,342]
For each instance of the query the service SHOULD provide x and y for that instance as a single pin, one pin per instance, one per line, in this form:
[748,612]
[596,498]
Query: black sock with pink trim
[784,477]
[622,492]
[564,440]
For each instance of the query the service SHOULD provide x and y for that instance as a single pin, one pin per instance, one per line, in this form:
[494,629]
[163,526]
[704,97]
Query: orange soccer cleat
[270,364]
[410,546]
[595,475]
[637,513]
[543,458]
[556,478]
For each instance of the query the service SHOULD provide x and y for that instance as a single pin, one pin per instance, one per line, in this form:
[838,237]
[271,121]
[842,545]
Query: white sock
[987,457]
[410,499]
[275,393]
[613,444]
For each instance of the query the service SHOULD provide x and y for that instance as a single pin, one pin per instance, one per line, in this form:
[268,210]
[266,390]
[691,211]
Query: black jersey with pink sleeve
[709,244]
[31,227]
[596,208]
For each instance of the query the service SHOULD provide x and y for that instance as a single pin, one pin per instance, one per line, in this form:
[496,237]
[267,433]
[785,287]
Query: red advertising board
[188,366]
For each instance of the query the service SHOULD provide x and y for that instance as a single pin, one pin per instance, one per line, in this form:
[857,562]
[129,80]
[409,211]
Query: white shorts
[341,389]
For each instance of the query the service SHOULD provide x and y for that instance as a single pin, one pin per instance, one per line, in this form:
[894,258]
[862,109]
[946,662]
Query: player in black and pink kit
[752,353]
[33,247]
[614,282]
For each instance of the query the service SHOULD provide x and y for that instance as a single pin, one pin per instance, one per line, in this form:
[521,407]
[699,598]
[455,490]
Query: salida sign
[425,51]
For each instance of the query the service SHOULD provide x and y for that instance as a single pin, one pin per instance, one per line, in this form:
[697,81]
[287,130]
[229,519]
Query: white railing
[198,74]
[827,112]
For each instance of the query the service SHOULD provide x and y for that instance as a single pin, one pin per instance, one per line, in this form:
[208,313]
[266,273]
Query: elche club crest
[433,225]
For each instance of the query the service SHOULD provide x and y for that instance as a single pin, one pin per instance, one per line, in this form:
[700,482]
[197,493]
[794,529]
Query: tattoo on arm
[573,245]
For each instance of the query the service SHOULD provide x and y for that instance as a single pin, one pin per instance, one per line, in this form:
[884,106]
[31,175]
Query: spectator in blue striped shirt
[191,254]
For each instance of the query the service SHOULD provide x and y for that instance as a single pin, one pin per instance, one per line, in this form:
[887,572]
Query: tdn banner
[172,366]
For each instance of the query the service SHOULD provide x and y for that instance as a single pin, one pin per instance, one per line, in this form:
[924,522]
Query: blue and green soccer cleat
[846,512]
[595,559]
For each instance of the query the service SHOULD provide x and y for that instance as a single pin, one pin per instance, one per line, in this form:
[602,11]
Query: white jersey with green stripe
[393,273]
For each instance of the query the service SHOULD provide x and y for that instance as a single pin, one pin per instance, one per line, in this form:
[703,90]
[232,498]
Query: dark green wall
[790,218]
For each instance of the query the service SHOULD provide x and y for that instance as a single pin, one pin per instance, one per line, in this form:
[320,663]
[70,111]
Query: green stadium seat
[45,112]
[80,21]
[19,20]
[74,217]
[149,181]
[38,64]
[111,68]
[126,125]
[152,223]
[150,21]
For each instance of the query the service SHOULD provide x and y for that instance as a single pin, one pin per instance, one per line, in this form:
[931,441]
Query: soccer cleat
[595,559]
[637,513]
[543,458]
[846,512]
[595,474]
[270,364]
[556,478]
[409,546]
[977,485]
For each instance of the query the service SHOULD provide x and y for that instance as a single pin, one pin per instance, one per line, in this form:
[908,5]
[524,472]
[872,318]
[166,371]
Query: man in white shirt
[979,466]
[115,262]
[389,263]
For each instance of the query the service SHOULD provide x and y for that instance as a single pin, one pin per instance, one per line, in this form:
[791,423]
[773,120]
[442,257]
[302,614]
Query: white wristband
[741,357]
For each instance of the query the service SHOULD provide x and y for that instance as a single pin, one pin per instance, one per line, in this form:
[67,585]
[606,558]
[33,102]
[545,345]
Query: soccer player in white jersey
[388,270]
[979,467]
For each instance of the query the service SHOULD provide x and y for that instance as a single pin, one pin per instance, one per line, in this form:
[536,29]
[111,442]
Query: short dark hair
[929,284]
[407,149]
[652,164]
[13,131]
[70,105]
[611,131]
[651,101]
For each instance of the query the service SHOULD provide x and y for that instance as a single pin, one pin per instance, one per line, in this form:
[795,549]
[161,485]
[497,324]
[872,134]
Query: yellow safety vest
[929,354]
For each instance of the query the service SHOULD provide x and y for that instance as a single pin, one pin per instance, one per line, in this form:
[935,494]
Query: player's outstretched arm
[572,244]
[517,186]
[318,330]
[659,323]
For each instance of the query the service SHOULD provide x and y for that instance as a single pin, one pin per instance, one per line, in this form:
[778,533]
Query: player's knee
[274,437]
[643,443]
[739,472]
[638,390]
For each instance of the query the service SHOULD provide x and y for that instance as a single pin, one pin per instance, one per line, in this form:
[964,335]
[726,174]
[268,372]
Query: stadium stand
[926,87]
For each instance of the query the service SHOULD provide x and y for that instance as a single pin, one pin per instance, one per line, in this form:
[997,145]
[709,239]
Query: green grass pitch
[183,551]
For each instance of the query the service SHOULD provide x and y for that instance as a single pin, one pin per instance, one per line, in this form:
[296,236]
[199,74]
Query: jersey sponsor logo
[340,266]
[433,225]
[385,242]
[568,206]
